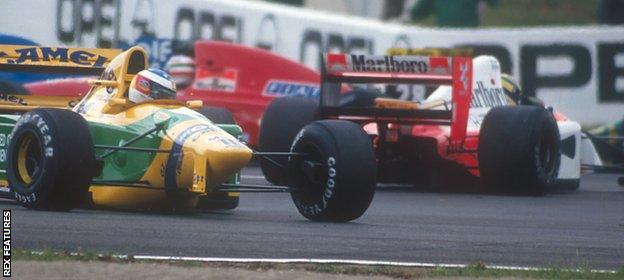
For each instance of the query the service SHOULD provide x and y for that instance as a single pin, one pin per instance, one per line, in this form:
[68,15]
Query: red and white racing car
[469,131]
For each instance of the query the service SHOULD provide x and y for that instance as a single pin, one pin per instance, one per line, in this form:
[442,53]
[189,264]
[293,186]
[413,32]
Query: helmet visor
[158,91]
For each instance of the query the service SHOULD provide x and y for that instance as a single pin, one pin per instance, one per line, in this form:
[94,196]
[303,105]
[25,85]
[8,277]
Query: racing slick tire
[281,122]
[218,200]
[335,180]
[217,115]
[519,150]
[50,159]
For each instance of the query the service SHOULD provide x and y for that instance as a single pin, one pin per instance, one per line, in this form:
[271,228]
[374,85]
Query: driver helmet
[512,88]
[151,84]
[182,69]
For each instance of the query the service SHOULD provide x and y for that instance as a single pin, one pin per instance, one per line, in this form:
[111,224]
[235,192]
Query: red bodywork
[237,77]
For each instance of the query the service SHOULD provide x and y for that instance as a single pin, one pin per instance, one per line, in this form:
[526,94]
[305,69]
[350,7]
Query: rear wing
[55,59]
[429,70]
[64,60]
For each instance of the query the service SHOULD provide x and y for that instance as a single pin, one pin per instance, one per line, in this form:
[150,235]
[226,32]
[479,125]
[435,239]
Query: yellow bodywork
[209,156]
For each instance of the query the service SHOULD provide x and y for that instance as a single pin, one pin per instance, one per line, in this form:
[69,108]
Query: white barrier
[579,70]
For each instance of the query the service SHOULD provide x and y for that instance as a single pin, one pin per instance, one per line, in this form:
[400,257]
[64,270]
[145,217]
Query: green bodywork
[120,165]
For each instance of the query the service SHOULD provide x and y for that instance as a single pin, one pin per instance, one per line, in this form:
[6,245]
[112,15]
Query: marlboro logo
[340,63]
[391,64]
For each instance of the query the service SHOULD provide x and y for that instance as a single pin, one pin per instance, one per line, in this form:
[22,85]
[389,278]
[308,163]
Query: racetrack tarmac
[583,228]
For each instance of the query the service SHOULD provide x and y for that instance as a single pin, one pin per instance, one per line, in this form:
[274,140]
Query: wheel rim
[29,158]
[311,170]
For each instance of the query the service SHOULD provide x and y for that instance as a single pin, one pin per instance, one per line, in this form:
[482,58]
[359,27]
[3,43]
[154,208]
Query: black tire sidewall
[39,125]
[509,155]
[348,185]
[68,166]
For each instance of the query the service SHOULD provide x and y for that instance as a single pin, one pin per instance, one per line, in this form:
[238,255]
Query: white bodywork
[576,149]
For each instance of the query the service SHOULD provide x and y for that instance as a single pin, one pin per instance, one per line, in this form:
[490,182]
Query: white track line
[354,262]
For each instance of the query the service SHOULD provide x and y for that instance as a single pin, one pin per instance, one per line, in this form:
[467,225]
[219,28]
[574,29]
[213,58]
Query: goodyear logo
[51,56]
[287,88]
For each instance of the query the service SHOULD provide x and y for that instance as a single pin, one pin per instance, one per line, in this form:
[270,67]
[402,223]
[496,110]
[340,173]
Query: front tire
[519,150]
[336,179]
[50,159]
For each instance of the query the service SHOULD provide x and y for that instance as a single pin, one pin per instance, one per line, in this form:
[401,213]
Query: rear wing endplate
[430,70]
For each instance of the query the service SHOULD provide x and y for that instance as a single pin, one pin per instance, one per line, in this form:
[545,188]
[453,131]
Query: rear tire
[519,150]
[336,180]
[50,159]
[217,115]
[281,122]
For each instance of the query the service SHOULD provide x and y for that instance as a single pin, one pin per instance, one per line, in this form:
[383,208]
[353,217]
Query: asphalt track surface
[583,228]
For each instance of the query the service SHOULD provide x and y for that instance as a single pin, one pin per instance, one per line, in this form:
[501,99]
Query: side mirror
[194,104]
[103,83]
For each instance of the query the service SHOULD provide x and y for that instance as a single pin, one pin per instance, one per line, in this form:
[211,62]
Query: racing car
[118,148]
[471,133]
[235,82]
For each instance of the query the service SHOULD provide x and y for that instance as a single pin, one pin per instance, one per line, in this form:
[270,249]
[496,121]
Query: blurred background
[569,53]
[490,12]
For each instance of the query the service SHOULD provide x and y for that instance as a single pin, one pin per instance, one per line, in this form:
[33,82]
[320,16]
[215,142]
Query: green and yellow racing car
[109,150]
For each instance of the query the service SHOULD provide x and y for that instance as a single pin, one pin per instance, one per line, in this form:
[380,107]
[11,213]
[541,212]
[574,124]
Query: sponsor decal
[393,64]
[439,65]
[463,77]
[337,63]
[61,56]
[43,128]
[225,141]
[484,97]
[275,88]
[12,98]
[143,85]
[217,79]
[330,184]
[25,198]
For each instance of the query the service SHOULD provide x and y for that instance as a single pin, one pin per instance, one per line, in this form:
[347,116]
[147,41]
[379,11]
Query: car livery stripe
[176,156]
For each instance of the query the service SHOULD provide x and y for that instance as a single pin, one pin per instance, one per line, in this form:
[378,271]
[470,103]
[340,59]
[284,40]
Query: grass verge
[476,270]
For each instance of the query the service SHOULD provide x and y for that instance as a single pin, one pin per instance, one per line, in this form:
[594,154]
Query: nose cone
[222,163]
[225,156]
